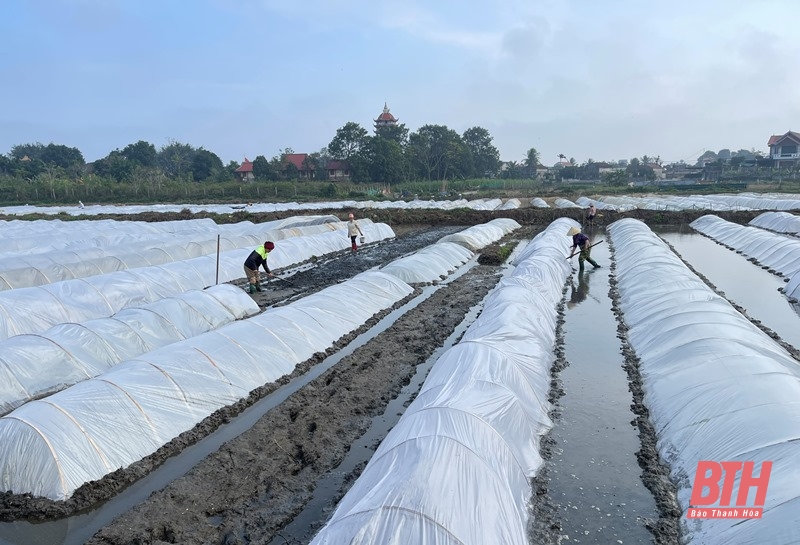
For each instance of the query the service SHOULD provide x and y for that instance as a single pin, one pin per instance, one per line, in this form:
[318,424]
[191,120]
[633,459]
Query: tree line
[392,155]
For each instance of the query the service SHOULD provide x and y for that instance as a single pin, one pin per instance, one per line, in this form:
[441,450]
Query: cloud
[429,25]
[525,43]
[602,79]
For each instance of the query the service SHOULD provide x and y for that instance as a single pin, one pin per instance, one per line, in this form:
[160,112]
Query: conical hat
[573,231]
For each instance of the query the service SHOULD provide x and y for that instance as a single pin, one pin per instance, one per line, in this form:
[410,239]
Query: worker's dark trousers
[585,255]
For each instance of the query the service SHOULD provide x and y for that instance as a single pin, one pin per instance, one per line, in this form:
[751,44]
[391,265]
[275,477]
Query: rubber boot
[251,288]
[258,287]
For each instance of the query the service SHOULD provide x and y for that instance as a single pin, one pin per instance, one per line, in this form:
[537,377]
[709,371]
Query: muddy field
[250,489]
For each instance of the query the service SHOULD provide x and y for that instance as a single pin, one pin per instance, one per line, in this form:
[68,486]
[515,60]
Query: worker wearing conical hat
[581,242]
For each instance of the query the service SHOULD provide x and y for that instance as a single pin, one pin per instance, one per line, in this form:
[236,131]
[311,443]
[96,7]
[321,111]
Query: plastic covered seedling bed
[470,438]
[478,236]
[49,447]
[132,247]
[716,387]
[781,222]
[776,251]
[34,310]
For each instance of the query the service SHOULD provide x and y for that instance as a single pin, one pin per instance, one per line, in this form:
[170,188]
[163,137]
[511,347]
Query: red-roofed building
[335,170]
[386,118]
[245,172]
[305,169]
[784,150]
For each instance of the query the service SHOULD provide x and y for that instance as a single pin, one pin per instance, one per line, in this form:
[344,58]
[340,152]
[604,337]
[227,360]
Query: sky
[603,80]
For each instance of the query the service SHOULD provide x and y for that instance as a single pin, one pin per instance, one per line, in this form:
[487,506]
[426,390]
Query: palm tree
[561,157]
[511,170]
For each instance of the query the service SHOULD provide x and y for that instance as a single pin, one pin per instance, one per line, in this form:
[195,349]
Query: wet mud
[562,504]
[253,486]
[655,473]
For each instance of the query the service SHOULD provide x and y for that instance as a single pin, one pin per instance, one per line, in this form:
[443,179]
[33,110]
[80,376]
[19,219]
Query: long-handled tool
[288,282]
[570,256]
[279,278]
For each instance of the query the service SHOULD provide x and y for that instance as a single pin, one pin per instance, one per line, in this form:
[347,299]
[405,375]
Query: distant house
[335,170]
[528,172]
[712,171]
[596,170]
[245,172]
[542,171]
[658,170]
[784,150]
[338,170]
[679,171]
[562,164]
[305,170]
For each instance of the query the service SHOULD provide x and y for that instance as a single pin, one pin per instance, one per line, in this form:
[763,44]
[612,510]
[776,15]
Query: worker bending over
[256,259]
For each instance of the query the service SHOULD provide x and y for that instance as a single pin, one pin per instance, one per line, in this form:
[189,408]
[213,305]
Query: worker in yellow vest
[256,259]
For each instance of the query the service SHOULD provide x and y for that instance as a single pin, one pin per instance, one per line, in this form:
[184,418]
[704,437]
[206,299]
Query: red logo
[713,485]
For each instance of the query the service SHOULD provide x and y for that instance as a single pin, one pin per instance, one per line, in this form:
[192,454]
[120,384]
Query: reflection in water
[742,282]
[580,292]
[594,473]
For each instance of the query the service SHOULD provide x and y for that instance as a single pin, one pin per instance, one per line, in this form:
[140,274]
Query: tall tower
[386,118]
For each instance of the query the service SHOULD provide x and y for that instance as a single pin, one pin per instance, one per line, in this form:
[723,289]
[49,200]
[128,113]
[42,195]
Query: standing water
[744,283]
[594,474]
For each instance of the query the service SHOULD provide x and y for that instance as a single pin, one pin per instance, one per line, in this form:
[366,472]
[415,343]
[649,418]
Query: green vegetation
[434,162]
[505,251]
[355,165]
[91,189]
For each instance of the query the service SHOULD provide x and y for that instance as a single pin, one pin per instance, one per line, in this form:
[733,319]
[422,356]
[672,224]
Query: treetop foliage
[391,155]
